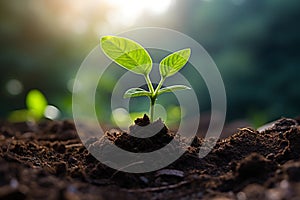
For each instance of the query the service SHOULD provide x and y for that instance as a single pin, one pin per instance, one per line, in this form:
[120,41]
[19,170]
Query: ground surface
[48,161]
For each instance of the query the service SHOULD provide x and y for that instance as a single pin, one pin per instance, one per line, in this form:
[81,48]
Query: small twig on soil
[74,145]
[247,129]
[156,189]
[131,164]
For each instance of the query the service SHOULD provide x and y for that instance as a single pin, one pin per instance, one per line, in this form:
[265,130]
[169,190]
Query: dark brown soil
[48,161]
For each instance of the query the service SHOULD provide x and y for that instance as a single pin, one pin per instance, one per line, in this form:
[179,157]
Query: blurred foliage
[36,104]
[254,43]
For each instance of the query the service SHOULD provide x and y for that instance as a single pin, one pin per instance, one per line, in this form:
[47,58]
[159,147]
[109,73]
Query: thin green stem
[150,86]
[152,98]
[159,85]
[152,103]
[153,94]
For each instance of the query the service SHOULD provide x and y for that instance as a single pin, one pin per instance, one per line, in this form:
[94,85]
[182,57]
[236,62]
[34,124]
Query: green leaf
[136,92]
[127,53]
[174,62]
[173,88]
[36,103]
[19,116]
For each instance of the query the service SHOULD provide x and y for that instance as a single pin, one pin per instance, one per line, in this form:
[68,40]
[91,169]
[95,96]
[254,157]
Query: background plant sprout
[36,104]
[37,108]
[133,57]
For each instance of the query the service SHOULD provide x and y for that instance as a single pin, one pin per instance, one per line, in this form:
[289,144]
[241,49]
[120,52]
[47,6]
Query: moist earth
[47,160]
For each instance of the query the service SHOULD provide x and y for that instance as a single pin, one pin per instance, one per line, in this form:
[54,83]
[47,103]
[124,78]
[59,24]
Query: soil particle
[60,168]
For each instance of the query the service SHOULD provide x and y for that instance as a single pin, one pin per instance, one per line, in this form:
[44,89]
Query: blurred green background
[255,44]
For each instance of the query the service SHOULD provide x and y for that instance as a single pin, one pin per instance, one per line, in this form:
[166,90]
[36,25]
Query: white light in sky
[158,6]
[100,16]
[127,12]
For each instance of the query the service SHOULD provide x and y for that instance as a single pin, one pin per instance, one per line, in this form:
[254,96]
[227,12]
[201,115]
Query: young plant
[36,104]
[133,57]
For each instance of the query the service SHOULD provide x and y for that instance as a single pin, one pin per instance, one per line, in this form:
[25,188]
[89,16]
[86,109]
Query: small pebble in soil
[241,196]
[14,183]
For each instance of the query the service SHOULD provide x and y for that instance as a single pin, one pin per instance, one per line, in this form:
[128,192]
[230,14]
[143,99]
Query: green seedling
[36,104]
[133,57]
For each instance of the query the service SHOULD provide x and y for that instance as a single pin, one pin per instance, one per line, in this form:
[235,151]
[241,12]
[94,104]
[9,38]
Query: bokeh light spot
[121,117]
[51,112]
[14,87]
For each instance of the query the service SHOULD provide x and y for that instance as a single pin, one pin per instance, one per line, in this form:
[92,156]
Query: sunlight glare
[81,17]
[127,12]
